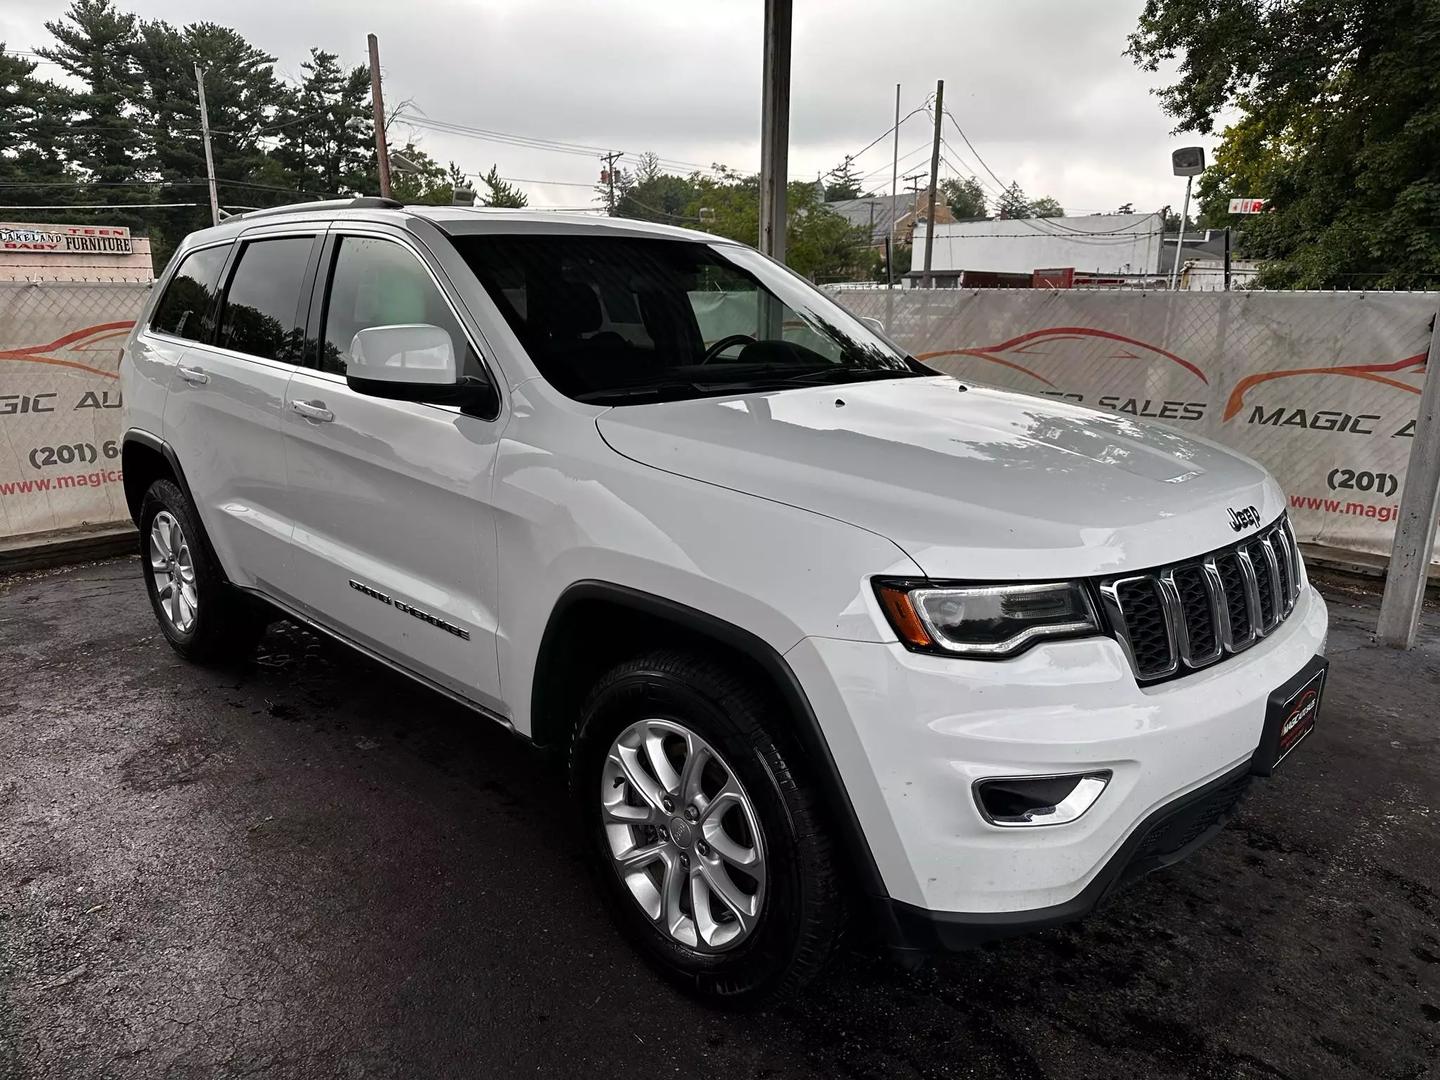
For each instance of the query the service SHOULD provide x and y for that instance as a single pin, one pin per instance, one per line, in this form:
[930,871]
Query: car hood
[970,482]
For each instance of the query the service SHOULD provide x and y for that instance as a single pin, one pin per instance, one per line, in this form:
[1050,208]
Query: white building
[1100,244]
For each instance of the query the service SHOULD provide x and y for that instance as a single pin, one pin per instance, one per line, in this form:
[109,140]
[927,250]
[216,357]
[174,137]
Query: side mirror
[415,362]
[413,354]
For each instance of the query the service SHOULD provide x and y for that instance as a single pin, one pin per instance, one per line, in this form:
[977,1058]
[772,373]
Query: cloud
[1041,88]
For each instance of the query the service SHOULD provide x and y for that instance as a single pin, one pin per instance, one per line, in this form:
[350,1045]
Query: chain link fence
[1320,387]
[60,403]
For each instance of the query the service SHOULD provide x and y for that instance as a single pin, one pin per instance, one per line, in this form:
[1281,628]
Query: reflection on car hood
[971,483]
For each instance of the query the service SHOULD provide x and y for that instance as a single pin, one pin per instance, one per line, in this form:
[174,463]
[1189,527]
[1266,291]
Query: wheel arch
[623,621]
[145,458]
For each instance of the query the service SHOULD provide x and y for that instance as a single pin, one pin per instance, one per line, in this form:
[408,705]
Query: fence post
[1419,505]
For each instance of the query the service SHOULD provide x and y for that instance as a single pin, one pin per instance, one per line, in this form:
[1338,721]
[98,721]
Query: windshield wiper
[673,390]
[844,374]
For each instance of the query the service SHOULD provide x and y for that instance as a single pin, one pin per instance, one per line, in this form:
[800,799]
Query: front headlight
[985,621]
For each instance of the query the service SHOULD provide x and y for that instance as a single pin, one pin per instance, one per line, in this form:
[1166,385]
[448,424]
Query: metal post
[1419,507]
[209,158]
[934,179]
[1227,258]
[1180,240]
[377,109]
[775,127]
[894,191]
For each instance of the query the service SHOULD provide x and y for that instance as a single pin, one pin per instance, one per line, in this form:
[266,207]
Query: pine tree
[95,124]
[1012,203]
[29,156]
[324,134]
[242,97]
[500,192]
[843,181]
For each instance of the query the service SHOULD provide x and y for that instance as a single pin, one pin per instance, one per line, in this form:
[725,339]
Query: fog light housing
[1029,801]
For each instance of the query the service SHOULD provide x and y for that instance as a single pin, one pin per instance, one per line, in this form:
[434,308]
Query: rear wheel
[709,849]
[201,615]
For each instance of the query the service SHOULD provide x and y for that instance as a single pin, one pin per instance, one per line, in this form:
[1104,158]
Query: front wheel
[709,848]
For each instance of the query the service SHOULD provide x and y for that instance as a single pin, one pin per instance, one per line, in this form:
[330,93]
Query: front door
[394,543]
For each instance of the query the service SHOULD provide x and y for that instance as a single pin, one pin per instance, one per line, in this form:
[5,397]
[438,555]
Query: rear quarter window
[184,310]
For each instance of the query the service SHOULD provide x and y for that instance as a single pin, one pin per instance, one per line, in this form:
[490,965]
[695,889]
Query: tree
[94,124]
[500,192]
[325,136]
[1338,103]
[29,156]
[1012,203]
[966,198]
[242,97]
[843,181]
[1046,206]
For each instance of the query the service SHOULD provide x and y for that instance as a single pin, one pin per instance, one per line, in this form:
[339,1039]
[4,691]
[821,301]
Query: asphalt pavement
[310,867]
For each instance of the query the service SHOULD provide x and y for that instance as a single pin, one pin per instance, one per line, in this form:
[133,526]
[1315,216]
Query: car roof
[453,220]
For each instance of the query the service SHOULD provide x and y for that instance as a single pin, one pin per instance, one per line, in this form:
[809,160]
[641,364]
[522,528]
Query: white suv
[818,629]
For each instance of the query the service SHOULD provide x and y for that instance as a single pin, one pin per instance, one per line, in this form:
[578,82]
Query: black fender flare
[141,437]
[807,730]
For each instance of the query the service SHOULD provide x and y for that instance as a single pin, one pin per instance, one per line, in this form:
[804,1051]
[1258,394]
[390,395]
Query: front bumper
[910,733]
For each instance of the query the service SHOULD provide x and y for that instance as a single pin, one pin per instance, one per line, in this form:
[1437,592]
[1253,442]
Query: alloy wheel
[683,835]
[173,572]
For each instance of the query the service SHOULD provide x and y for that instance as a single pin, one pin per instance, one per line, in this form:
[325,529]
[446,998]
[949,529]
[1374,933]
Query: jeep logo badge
[1246,518]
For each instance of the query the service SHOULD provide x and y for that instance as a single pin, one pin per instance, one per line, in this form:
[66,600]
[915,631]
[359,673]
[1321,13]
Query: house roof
[857,212]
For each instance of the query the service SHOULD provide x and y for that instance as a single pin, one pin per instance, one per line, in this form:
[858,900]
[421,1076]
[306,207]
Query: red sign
[1247,206]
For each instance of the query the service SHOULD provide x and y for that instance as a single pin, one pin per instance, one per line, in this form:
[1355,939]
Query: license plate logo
[1300,720]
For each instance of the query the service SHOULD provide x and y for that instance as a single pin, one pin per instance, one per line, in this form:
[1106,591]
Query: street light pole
[1180,240]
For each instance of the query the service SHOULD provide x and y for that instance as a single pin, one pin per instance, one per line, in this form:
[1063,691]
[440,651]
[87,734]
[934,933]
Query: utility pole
[775,128]
[1419,508]
[377,109]
[894,190]
[934,179]
[1227,258]
[610,159]
[209,157]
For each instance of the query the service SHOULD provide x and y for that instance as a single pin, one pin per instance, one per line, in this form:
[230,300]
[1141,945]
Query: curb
[43,551]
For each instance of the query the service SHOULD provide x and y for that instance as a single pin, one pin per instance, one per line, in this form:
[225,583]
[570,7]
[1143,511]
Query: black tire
[227,625]
[802,912]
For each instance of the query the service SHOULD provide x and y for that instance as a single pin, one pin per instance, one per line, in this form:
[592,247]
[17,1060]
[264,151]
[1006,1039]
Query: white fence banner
[1320,387]
[60,402]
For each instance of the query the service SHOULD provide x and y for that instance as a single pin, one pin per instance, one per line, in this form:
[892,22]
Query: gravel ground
[312,868]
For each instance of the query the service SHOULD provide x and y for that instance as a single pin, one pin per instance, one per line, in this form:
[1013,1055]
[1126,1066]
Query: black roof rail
[362,202]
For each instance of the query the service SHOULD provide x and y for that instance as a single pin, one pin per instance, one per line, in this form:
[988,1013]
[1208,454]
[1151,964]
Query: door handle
[313,410]
[193,375]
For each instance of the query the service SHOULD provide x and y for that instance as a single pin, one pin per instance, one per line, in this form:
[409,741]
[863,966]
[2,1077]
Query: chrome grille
[1179,618]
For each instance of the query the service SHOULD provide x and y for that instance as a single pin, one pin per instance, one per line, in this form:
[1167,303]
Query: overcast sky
[1040,86]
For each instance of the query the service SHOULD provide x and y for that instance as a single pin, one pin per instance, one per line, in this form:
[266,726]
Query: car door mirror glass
[415,354]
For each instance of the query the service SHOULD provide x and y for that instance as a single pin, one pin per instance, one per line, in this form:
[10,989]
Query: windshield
[627,320]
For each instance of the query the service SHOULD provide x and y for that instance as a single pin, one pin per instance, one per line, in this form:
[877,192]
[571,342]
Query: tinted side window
[184,310]
[377,282]
[260,315]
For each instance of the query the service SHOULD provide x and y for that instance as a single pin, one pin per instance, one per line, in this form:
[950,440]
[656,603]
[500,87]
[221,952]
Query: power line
[103,206]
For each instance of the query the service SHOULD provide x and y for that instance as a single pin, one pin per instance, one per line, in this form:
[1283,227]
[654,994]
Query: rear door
[222,415]
[395,541]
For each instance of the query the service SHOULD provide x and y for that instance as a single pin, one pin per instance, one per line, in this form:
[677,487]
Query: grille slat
[1183,617]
